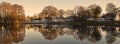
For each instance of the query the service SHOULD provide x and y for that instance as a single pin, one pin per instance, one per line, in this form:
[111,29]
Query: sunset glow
[32,7]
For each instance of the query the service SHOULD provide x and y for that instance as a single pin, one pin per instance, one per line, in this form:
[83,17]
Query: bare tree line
[14,13]
[11,13]
[81,13]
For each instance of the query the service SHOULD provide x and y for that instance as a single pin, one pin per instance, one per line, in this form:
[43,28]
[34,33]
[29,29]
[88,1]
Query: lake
[59,34]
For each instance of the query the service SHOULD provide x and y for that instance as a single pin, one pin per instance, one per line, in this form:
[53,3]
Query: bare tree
[81,12]
[110,8]
[111,12]
[50,12]
[11,13]
[60,13]
[95,11]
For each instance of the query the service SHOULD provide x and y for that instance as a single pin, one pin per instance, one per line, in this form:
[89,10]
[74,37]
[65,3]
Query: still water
[59,34]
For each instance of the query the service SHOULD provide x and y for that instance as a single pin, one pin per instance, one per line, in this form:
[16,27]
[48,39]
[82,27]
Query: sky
[32,7]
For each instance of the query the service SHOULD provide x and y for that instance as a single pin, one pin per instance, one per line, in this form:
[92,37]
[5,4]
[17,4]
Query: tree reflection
[11,34]
[50,33]
[111,34]
[90,33]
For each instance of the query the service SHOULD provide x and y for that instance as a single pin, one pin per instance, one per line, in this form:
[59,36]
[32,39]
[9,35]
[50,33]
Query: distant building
[109,16]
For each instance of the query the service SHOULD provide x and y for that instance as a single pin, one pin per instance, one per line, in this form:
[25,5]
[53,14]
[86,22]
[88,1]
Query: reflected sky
[35,6]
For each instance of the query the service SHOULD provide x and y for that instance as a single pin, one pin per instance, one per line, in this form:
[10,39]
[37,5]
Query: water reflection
[90,33]
[11,34]
[111,33]
[95,34]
